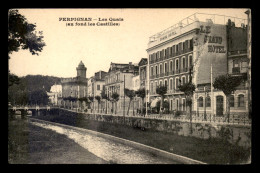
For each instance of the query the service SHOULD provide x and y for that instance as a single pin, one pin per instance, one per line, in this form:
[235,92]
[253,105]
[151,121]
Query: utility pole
[212,94]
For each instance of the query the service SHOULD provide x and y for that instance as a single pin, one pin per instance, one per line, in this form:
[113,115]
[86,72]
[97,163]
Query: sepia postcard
[129,86]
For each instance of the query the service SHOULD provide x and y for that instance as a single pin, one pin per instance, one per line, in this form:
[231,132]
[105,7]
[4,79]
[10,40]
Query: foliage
[161,90]
[187,88]
[83,99]
[177,113]
[103,95]
[22,34]
[227,83]
[38,97]
[129,93]
[26,90]
[12,79]
[141,93]
[115,97]
[70,98]
[98,98]
[91,98]
[166,104]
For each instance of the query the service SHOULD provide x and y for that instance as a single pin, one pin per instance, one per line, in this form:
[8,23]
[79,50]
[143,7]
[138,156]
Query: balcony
[167,73]
[178,71]
[162,74]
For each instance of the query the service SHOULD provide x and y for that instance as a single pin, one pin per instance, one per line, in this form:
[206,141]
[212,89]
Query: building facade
[195,50]
[55,95]
[95,86]
[74,89]
[119,76]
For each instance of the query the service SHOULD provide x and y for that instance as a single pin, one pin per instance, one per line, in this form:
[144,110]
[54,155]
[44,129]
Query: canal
[106,149]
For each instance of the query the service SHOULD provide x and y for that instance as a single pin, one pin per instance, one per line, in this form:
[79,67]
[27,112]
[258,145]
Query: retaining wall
[235,134]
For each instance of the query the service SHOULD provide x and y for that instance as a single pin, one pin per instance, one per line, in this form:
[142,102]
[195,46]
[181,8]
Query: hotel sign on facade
[211,50]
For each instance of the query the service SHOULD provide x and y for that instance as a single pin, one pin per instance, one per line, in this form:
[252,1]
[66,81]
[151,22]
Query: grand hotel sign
[216,41]
[172,33]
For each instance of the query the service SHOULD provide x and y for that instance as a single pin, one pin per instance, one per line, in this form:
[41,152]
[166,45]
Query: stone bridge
[36,110]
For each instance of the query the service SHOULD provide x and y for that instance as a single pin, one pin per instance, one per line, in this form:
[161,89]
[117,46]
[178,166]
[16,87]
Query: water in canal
[106,149]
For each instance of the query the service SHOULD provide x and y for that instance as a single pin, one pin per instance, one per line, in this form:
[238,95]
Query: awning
[153,104]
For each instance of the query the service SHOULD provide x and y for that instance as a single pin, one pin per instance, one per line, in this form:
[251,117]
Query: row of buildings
[194,49]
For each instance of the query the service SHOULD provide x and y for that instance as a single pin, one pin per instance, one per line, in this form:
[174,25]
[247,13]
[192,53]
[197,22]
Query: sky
[96,46]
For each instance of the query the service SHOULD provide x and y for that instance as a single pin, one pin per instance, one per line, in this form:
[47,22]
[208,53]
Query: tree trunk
[134,108]
[115,107]
[142,106]
[128,107]
[106,106]
[227,107]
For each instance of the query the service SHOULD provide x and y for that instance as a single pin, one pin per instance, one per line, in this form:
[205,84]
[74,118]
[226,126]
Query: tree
[141,93]
[131,94]
[98,98]
[161,90]
[12,79]
[22,34]
[104,96]
[227,84]
[115,98]
[91,99]
[188,89]
[38,97]
[166,106]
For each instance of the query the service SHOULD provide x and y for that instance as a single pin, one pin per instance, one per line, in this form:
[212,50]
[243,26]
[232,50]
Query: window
[200,101]
[151,71]
[241,100]
[98,87]
[161,68]
[173,49]
[165,83]
[183,104]
[177,48]
[160,83]
[190,60]
[171,105]
[176,64]
[170,65]
[208,101]
[183,62]
[165,67]
[176,83]
[151,87]
[183,80]
[171,84]
[236,63]
[191,43]
[231,101]
[156,69]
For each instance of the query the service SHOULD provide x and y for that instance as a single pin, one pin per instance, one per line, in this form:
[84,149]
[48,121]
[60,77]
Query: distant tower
[81,70]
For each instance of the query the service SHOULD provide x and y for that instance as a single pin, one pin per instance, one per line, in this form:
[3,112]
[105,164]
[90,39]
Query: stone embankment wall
[236,134]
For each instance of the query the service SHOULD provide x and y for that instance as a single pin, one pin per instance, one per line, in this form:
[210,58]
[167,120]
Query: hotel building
[188,51]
